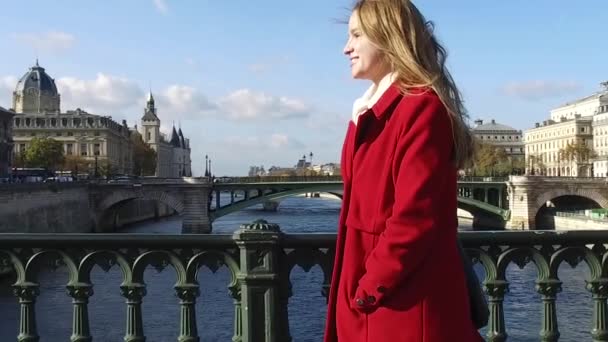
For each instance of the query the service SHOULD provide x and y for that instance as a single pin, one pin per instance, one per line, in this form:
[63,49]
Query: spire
[37,62]
[150,110]
[150,97]
[175,138]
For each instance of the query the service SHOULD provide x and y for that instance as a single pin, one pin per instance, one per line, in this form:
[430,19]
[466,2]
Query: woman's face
[365,58]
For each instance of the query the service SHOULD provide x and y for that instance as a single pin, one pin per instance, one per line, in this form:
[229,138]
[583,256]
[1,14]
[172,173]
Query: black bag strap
[480,313]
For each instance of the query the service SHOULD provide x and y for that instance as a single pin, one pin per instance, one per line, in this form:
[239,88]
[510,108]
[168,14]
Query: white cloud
[539,89]
[103,95]
[183,102]
[120,96]
[275,141]
[161,6]
[245,104]
[7,86]
[50,41]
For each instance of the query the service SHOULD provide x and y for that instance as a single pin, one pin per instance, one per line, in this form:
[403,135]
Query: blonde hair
[406,39]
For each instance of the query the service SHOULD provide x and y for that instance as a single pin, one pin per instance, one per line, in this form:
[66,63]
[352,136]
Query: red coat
[396,249]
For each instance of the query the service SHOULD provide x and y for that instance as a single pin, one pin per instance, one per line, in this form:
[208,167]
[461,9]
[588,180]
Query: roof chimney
[493,122]
[478,122]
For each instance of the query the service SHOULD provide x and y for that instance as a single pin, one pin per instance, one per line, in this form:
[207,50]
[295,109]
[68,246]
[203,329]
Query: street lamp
[96,174]
[206,165]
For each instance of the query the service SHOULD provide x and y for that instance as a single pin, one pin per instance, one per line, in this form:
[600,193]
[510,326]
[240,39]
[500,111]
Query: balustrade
[260,259]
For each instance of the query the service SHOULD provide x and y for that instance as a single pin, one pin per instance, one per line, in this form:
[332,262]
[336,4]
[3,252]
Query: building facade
[600,142]
[502,136]
[585,107]
[6,142]
[172,153]
[574,142]
[95,138]
[547,143]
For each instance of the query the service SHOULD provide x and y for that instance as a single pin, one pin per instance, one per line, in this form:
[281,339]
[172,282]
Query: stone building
[36,103]
[500,135]
[545,141]
[586,106]
[6,141]
[582,123]
[600,142]
[172,153]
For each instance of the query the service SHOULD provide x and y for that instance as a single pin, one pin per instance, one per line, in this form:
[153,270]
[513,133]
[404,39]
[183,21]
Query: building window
[70,134]
[96,133]
[21,147]
[83,149]
[149,137]
[58,134]
[69,149]
[96,149]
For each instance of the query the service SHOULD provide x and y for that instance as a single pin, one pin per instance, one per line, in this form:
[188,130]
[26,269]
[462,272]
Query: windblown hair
[409,46]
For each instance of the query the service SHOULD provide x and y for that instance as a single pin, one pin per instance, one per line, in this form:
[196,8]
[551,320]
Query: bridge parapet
[528,194]
[260,259]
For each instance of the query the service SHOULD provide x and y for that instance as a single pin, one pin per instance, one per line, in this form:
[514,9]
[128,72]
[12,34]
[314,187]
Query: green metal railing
[260,259]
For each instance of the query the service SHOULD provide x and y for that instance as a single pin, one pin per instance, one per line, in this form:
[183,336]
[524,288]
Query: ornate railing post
[496,290]
[548,289]
[235,293]
[188,331]
[259,281]
[27,293]
[80,294]
[134,294]
[599,293]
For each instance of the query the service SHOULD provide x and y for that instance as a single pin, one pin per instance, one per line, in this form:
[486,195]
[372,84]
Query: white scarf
[371,96]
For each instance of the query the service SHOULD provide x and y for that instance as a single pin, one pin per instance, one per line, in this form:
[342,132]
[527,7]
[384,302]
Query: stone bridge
[519,202]
[189,197]
[201,201]
[534,199]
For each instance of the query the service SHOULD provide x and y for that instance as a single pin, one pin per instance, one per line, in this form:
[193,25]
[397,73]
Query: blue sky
[264,82]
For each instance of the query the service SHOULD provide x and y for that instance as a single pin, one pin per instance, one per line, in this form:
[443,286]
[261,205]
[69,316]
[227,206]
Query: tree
[44,152]
[107,169]
[536,164]
[76,164]
[489,160]
[144,157]
[577,153]
[19,159]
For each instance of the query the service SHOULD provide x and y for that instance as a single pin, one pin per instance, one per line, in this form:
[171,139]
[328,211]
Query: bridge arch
[560,198]
[585,193]
[106,210]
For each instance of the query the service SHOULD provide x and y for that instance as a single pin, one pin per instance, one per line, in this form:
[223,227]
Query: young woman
[398,275]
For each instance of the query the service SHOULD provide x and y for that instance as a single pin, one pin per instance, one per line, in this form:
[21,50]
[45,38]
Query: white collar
[371,95]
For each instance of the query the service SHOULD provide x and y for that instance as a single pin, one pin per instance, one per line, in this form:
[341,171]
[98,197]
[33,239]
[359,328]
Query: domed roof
[492,126]
[38,79]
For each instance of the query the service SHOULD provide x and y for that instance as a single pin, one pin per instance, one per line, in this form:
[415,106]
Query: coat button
[359,302]
[381,289]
